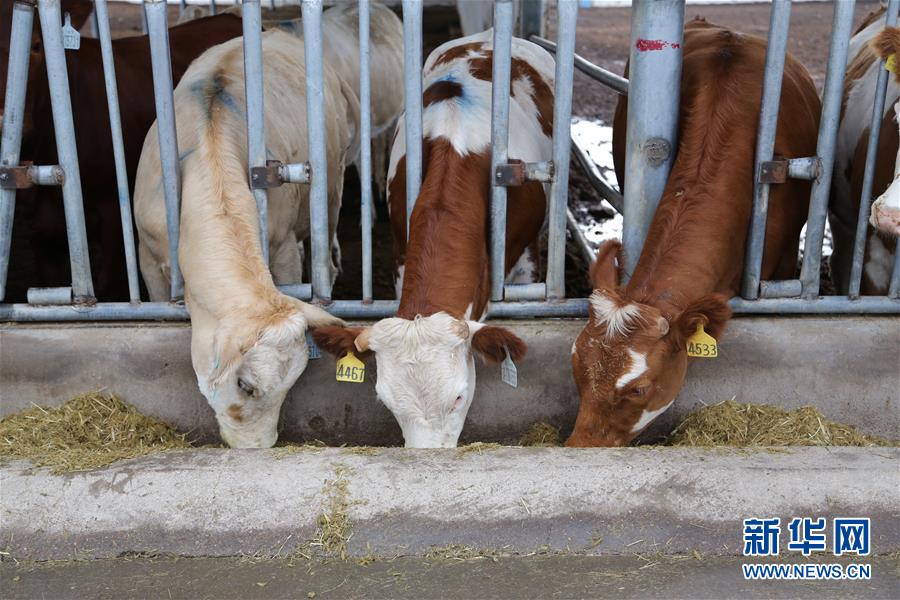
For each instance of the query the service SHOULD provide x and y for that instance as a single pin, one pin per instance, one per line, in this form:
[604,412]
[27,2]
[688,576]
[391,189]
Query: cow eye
[457,402]
[639,391]
[246,387]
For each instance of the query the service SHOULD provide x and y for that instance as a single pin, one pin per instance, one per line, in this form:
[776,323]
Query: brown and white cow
[248,340]
[630,360]
[426,370]
[871,42]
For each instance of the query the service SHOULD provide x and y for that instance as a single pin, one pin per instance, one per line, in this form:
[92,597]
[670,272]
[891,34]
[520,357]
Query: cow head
[245,368]
[630,359]
[426,369]
[885,215]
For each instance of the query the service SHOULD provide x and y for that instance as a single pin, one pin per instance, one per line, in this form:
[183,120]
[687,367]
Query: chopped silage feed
[541,435]
[89,431]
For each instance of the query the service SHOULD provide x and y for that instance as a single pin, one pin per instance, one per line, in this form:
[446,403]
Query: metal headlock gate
[651,131]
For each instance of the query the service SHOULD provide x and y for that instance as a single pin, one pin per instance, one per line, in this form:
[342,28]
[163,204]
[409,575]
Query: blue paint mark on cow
[212,91]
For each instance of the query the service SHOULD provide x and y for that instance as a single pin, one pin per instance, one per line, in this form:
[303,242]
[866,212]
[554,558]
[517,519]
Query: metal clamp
[276,173]
[27,175]
[516,173]
[780,170]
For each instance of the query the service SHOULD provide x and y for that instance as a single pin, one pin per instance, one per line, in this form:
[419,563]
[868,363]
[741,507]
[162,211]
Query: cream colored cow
[248,342]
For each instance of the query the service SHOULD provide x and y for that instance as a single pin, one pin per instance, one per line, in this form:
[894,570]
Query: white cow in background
[248,341]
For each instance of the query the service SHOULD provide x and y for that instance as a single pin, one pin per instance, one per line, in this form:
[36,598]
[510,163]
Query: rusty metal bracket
[773,171]
[27,175]
[517,173]
[782,169]
[265,177]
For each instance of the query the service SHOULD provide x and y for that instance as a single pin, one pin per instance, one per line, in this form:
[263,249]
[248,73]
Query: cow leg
[286,262]
[155,274]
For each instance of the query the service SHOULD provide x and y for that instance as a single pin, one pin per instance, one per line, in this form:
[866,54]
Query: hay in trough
[87,432]
[733,423]
[541,435]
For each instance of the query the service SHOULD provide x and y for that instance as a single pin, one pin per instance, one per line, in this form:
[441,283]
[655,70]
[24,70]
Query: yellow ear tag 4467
[891,63]
[350,369]
[702,345]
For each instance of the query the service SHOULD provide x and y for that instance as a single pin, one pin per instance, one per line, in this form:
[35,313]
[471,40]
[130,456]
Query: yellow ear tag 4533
[350,369]
[891,63]
[701,344]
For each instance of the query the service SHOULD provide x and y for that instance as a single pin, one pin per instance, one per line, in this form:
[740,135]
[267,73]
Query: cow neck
[446,255]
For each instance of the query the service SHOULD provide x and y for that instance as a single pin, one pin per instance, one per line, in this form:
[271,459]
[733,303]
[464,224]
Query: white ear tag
[311,345]
[508,373]
[71,37]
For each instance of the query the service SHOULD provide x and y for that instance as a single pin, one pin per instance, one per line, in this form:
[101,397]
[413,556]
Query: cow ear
[492,343]
[711,311]
[338,341]
[605,270]
[79,10]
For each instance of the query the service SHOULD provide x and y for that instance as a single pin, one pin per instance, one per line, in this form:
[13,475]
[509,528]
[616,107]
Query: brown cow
[630,360]
[43,211]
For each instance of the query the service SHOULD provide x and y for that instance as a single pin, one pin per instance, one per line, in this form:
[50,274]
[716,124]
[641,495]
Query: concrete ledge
[847,366]
[221,502]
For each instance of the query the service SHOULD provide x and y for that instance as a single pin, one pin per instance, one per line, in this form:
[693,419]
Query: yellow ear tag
[350,369]
[701,344]
[891,63]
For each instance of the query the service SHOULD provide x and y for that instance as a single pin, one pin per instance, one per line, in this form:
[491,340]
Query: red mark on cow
[653,45]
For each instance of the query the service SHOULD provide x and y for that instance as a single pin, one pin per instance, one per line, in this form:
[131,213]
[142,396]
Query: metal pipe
[866,198]
[607,192]
[13,116]
[562,140]
[788,288]
[584,247]
[652,129]
[101,18]
[294,173]
[894,289]
[607,78]
[525,291]
[51,175]
[320,243]
[806,168]
[365,153]
[182,4]
[303,291]
[157,23]
[212,8]
[828,126]
[256,124]
[779,23]
[412,87]
[567,308]
[66,150]
[823,305]
[500,88]
[46,296]
[531,19]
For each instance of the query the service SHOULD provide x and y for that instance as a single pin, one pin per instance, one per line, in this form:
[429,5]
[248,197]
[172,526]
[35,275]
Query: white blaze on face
[647,417]
[638,366]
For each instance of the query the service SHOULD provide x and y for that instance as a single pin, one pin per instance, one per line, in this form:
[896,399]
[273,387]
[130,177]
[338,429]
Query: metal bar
[157,23]
[807,168]
[607,78]
[303,291]
[256,124]
[607,192]
[894,289]
[182,4]
[13,115]
[66,150]
[55,295]
[779,23]
[788,288]
[866,197]
[525,291]
[365,153]
[52,175]
[101,18]
[828,126]
[500,89]
[822,305]
[584,247]
[412,82]
[212,8]
[567,19]
[569,307]
[320,243]
[531,19]
[652,129]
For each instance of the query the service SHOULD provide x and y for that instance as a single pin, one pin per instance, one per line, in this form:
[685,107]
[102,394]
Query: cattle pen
[791,343]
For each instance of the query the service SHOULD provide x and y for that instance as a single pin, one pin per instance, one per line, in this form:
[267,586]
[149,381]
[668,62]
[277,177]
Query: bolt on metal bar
[64,126]
[365,154]
[500,88]
[607,192]
[157,24]
[320,244]
[806,168]
[412,86]
[607,78]
[828,126]
[562,140]
[652,130]
[101,18]
[256,124]
[776,49]
[13,115]
[866,197]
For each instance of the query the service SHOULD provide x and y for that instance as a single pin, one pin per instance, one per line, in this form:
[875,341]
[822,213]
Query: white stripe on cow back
[638,367]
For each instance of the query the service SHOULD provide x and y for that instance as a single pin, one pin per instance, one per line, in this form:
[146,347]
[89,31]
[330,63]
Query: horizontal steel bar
[789,288]
[607,78]
[294,172]
[516,172]
[821,305]
[607,192]
[807,168]
[302,291]
[51,295]
[524,291]
[571,307]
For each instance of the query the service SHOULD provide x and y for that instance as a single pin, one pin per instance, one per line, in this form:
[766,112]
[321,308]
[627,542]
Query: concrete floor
[508,577]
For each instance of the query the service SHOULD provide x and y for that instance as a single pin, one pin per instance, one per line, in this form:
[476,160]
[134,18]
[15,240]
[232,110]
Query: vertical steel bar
[101,18]
[320,243]
[212,8]
[13,116]
[66,150]
[502,67]
[828,126]
[182,5]
[894,289]
[654,90]
[562,120]
[256,125]
[412,80]
[365,154]
[157,24]
[866,199]
[779,23]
